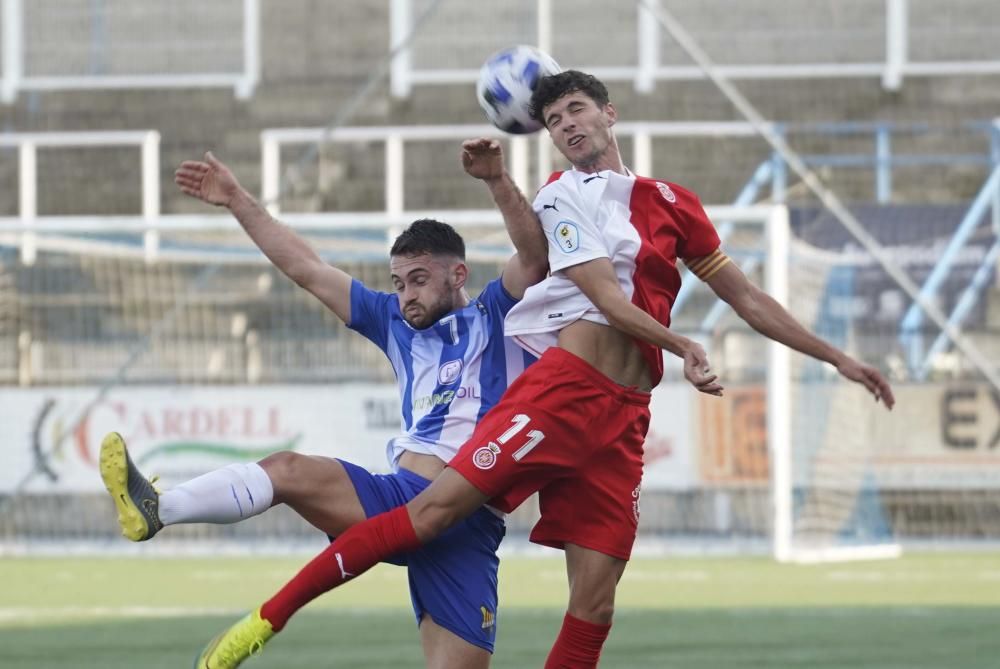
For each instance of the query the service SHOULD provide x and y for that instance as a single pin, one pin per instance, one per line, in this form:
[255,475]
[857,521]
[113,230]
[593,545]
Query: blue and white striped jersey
[449,374]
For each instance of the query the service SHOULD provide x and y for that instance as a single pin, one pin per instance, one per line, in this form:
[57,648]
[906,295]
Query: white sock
[227,495]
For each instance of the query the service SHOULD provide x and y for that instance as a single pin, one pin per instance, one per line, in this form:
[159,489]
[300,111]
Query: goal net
[209,356]
[790,451]
[205,357]
[828,503]
[846,478]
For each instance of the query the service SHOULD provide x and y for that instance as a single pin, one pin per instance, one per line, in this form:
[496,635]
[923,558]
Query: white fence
[59,45]
[530,160]
[885,39]
[73,44]
[27,145]
[28,223]
[395,138]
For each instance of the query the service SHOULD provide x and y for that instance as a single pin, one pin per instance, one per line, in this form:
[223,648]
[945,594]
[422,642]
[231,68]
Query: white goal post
[786,546]
[819,470]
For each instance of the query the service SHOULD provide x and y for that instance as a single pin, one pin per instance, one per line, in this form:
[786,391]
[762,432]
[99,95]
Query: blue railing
[910,331]
[883,162]
[747,196]
[881,159]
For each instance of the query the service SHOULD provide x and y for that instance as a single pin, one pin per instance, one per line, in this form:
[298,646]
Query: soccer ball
[506,82]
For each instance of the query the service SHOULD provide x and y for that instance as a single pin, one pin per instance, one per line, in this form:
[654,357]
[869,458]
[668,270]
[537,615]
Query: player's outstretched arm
[483,159]
[212,182]
[770,319]
[597,280]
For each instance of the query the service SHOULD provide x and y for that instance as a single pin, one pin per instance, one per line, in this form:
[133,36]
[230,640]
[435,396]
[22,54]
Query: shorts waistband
[411,476]
[632,395]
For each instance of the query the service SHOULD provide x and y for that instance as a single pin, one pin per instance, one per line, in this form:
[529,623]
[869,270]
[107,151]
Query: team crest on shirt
[486,457]
[449,372]
[567,236]
[665,191]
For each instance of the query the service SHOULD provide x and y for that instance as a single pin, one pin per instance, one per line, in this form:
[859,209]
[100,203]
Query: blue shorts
[453,578]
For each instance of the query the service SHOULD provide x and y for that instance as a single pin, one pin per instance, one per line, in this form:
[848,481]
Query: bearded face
[425,286]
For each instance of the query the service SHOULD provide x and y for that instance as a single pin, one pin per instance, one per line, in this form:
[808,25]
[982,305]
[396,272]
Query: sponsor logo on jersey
[486,456]
[567,236]
[449,372]
[636,494]
[434,399]
[489,618]
[665,191]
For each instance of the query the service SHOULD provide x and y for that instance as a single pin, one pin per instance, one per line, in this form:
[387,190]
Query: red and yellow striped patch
[705,266]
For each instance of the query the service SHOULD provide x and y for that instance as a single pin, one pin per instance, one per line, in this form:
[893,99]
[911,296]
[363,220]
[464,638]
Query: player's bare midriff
[422,464]
[609,351]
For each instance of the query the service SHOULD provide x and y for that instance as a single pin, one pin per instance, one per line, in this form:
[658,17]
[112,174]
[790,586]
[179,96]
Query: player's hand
[697,371]
[870,378]
[483,158]
[209,180]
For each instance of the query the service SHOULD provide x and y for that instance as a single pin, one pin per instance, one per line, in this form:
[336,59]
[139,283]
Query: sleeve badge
[567,236]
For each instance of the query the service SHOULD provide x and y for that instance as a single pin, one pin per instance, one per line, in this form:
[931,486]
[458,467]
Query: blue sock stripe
[238,505]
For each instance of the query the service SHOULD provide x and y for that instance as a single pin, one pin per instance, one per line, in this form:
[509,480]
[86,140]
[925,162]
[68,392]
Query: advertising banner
[178,432]
[940,436]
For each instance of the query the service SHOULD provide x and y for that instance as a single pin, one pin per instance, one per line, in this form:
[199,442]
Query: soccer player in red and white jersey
[572,426]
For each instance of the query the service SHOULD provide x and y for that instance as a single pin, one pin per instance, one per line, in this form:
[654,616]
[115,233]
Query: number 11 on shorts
[534,436]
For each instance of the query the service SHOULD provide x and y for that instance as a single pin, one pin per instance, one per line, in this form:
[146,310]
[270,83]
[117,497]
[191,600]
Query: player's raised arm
[770,319]
[483,159]
[212,182]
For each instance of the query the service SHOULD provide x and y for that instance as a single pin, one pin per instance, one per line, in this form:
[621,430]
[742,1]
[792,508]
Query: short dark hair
[554,86]
[429,236]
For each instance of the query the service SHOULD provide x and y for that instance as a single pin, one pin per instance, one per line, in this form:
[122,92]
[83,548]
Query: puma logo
[551,206]
[340,563]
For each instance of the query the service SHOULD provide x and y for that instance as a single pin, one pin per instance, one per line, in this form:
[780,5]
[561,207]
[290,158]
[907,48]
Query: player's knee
[597,610]
[445,503]
[431,517]
[591,603]
[284,468]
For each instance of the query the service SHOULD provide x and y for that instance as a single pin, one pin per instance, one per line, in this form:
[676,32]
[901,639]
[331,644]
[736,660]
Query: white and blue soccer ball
[506,82]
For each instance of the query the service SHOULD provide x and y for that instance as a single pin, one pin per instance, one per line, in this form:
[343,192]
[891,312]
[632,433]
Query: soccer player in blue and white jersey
[452,364]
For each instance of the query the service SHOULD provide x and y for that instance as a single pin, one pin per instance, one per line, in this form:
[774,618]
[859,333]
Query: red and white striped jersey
[640,224]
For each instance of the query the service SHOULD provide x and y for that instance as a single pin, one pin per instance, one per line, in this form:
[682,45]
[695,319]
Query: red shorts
[571,433]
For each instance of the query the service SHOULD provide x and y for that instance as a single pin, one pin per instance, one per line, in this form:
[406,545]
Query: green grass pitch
[931,611]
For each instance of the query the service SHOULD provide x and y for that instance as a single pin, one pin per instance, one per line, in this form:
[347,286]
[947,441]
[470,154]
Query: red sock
[578,645]
[354,552]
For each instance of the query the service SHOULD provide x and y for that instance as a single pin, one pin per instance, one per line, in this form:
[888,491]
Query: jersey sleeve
[572,234]
[699,245]
[371,313]
[496,299]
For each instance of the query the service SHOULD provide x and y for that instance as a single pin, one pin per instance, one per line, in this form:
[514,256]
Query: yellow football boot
[228,650]
[136,500]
